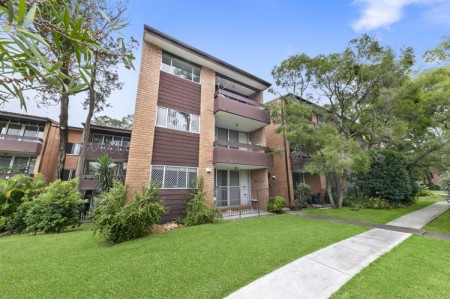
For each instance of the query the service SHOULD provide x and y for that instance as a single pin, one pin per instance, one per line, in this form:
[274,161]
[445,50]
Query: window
[110,140]
[16,164]
[17,129]
[180,68]
[177,120]
[73,148]
[174,177]
[68,174]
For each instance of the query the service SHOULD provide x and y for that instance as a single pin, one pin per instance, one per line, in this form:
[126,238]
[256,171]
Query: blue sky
[256,35]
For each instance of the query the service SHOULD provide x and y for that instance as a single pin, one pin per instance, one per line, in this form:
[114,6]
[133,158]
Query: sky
[256,35]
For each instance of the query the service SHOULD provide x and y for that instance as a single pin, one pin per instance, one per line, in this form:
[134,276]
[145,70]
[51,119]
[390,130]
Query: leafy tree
[441,53]
[105,78]
[125,123]
[59,32]
[104,173]
[388,177]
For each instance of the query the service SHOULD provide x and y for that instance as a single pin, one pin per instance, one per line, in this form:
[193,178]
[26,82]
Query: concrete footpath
[321,273]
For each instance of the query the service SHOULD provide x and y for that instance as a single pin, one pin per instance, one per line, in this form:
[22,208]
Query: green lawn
[440,224]
[207,261]
[417,268]
[375,216]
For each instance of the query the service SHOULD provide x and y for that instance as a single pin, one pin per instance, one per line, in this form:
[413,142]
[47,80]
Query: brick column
[207,131]
[141,147]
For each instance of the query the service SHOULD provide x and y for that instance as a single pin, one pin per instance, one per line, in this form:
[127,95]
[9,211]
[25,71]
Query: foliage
[302,195]
[276,204]
[125,123]
[55,209]
[115,220]
[388,177]
[13,191]
[363,202]
[445,185]
[198,211]
[423,190]
[104,172]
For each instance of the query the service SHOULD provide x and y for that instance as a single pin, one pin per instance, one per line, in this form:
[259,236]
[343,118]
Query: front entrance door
[231,187]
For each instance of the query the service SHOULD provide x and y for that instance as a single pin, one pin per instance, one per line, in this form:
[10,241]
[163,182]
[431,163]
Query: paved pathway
[321,273]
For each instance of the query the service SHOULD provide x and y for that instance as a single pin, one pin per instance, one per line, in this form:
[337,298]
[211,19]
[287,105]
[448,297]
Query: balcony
[245,156]
[116,152]
[298,163]
[20,144]
[233,110]
[88,182]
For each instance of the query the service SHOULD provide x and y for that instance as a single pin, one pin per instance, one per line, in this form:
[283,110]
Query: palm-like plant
[104,173]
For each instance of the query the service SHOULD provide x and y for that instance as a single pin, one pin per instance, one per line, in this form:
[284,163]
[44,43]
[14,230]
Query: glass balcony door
[232,187]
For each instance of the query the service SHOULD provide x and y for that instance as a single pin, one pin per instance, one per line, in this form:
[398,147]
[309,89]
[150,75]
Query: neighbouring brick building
[28,145]
[289,166]
[198,115]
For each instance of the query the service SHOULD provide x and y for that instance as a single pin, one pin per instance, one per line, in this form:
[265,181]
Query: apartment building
[289,165]
[114,142]
[196,116]
[28,145]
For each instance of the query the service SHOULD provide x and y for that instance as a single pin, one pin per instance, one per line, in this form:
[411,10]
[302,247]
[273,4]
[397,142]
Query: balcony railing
[96,150]
[299,162]
[88,181]
[241,153]
[22,144]
[238,98]
[241,146]
[240,200]
[238,105]
[20,138]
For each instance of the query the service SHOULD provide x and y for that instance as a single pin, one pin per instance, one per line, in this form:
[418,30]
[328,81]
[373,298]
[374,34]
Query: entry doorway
[232,187]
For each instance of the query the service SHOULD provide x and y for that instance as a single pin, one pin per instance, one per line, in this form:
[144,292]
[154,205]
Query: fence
[238,201]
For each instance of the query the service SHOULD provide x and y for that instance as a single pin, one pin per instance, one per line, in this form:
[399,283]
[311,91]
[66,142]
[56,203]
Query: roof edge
[176,42]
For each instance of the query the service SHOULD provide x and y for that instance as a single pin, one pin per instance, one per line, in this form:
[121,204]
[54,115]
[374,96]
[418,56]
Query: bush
[115,220]
[198,211]
[275,204]
[357,203]
[388,177]
[423,190]
[55,209]
[302,195]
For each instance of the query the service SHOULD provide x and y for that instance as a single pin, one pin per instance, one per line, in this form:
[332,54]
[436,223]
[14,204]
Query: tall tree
[66,37]
[105,77]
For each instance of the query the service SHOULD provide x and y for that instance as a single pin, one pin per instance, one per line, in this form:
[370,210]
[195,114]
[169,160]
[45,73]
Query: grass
[417,268]
[441,224]
[376,216]
[207,261]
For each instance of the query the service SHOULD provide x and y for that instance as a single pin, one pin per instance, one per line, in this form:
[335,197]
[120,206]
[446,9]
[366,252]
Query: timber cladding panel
[175,203]
[172,147]
[179,94]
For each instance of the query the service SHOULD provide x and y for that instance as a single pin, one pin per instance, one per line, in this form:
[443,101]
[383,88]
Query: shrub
[104,172]
[377,203]
[302,195]
[55,209]
[198,211]
[388,177]
[423,190]
[115,220]
[275,204]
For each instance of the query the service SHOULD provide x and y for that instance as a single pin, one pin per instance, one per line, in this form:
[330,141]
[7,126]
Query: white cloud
[382,13]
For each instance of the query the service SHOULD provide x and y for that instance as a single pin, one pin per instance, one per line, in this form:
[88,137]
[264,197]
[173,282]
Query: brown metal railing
[241,146]
[238,201]
[20,138]
[236,97]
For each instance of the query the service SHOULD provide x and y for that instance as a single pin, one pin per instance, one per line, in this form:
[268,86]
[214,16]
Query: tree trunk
[330,192]
[63,135]
[341,187]
[86,132]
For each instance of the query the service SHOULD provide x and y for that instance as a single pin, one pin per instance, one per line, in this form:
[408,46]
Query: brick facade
[141,147]
[207,131]
[48,158]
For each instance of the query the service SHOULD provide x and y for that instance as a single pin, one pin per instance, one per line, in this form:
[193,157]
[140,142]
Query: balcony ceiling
[238,123]
[226,166]
[233,86]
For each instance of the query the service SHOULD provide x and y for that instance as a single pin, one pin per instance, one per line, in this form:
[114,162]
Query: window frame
[182,61]
[166,120]
[187,169]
